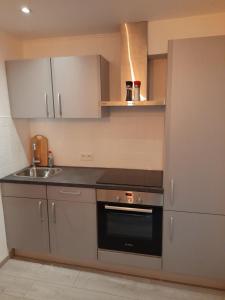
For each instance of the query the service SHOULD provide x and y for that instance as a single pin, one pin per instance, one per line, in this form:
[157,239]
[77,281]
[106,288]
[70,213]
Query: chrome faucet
[34,161]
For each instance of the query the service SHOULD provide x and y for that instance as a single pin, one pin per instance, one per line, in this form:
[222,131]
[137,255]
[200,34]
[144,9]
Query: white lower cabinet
[72,223]
[26,221]
[26,217]
[194,244]
[65,220]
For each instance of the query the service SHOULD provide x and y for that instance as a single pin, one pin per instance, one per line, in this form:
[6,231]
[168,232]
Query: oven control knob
[118,198]
[139,200]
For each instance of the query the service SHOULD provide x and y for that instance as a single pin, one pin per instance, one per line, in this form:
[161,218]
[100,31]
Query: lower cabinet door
[194,244]
[26,221]
[73,233]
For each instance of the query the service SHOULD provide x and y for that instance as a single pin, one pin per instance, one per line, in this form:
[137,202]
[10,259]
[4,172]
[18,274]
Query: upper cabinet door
[30,88]
[195,126]
[77,86]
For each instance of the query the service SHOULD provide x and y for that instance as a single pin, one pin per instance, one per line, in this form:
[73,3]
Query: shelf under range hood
[150,103]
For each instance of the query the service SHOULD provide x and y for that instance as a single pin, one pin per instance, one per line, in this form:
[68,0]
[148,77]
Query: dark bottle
[129,88]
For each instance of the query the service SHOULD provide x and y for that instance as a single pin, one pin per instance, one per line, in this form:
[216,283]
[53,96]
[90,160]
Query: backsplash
[125,139]
[12,153]
[13,135]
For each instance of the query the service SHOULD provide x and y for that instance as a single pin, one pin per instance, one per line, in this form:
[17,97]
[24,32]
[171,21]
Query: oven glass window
[129,225]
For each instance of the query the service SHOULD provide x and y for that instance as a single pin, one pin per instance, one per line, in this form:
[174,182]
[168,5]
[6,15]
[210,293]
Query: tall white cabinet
[195,124]
[194,216]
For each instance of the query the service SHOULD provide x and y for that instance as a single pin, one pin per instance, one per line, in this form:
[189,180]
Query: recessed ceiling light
[26,10]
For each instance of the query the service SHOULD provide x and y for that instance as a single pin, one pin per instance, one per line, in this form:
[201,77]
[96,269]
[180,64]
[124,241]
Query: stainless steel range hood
[134,53]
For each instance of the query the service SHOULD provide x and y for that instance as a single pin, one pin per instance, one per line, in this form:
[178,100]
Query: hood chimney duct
[134,54]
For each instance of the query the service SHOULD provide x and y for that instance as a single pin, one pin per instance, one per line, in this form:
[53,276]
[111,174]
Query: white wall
[13,136]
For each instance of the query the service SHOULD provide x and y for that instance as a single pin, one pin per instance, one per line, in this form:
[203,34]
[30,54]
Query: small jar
[129,89]
[137,90]
[50,159]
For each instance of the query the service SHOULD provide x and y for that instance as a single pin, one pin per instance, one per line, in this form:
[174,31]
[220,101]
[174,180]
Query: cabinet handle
[70,193]
[60,104]
[40,210]
[172,192]
[53,213]
[171,228]
[46,104]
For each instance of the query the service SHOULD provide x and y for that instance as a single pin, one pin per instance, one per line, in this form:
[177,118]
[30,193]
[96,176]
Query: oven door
[130,228]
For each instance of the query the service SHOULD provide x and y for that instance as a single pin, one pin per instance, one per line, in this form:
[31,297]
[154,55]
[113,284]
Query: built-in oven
[130,221]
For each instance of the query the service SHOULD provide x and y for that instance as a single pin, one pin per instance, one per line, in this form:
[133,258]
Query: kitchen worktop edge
[89,181]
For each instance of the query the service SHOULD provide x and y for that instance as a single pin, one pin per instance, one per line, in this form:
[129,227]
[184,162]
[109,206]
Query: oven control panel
[130,197]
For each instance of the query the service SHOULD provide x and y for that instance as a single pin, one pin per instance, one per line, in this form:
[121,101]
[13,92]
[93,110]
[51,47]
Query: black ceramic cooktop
[132,177]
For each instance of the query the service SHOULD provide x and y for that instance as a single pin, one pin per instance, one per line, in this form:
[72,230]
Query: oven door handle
[131,209]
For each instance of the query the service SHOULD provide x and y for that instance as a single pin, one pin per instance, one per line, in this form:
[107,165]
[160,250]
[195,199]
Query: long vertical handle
[60,104]
[53,213]
[40,210]
[171,228]
[46,105]
[172,192]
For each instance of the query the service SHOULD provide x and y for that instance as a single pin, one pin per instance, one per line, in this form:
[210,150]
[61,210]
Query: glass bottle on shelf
[137,90]
[129,89]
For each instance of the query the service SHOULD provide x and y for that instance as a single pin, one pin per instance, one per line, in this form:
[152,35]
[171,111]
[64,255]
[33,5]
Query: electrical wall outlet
[86,156]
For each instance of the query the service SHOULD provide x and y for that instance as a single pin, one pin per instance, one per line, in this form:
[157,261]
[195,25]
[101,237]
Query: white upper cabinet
[78,84]
[30,88]
[195,126]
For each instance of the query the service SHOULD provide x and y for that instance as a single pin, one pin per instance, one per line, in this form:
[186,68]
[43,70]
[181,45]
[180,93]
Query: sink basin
[38,172]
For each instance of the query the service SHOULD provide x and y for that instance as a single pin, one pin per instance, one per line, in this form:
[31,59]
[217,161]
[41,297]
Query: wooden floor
[21,280]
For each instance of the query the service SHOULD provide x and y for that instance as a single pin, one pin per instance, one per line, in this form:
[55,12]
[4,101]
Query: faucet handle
[34,146]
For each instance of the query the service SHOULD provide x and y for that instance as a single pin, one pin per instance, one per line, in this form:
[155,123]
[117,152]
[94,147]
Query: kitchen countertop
[99,178]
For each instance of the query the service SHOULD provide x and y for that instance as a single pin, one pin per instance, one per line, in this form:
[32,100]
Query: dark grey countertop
[101,178]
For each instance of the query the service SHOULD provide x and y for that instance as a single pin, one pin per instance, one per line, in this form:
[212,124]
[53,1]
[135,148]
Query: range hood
[134,56]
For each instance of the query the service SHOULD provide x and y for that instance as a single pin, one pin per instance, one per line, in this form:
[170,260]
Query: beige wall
[13,135]
[159,32]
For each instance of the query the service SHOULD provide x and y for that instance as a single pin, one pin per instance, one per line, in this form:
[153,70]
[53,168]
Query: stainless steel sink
[38,172]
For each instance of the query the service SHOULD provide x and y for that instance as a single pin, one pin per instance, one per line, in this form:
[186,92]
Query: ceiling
[76,17]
